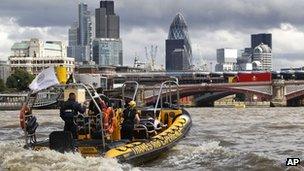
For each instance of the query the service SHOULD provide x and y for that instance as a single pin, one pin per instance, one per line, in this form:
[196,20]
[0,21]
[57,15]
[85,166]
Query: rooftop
[20,45]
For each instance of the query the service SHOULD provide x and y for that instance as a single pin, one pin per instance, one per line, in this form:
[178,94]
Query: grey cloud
[213,14]
[288,56]
[204,17]
[40,13]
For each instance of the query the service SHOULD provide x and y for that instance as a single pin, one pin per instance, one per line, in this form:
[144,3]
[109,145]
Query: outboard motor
[62,141]
[31,125]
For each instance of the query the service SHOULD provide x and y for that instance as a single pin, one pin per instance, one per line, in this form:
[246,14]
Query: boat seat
[83,124]
[95,126]
[151,125]
[95,122]
[140,131]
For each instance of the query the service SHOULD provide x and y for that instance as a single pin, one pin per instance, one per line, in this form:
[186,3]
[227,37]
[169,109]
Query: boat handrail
[124,86]
[98,108]
[160,94]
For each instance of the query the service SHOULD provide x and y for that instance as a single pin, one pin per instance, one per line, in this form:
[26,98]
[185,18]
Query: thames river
[220,139]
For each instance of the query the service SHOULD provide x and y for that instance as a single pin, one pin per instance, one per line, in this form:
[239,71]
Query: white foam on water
[191,154]
[14,157]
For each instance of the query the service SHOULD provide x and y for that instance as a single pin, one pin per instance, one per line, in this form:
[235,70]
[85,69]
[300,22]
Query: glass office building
[178,48]
[107,51]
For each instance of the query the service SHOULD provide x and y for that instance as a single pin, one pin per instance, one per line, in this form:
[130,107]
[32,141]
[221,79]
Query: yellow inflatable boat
[160,127]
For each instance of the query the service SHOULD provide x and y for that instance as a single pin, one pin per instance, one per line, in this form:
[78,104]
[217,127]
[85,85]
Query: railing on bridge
[15,101]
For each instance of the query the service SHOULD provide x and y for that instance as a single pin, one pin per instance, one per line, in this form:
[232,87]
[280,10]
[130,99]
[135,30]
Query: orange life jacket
[108,120]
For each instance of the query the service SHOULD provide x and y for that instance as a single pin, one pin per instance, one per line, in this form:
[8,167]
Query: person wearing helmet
[130,116]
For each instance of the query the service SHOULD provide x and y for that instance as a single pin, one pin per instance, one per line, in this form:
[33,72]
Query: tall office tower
[82,32]
[74,35]
[107,22]
[257,39]
[84,24]
[178,48]
[107,46]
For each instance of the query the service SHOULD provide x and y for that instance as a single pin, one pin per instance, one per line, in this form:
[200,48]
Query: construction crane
[151,56]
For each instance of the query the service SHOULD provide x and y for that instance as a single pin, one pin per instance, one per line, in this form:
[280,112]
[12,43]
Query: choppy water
[220,139]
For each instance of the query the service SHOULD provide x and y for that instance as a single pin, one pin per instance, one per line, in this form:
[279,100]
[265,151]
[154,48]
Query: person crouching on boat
[130,115]
[68,111]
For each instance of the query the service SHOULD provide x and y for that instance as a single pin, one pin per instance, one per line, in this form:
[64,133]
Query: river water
[220,139]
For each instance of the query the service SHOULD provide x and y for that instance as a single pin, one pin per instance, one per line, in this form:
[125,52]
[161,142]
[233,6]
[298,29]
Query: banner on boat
[45,79]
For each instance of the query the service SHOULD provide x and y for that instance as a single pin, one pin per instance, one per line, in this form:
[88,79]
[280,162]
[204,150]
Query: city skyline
[212,26]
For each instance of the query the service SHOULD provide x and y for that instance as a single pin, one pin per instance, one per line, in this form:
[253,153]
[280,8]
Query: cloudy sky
[212,24]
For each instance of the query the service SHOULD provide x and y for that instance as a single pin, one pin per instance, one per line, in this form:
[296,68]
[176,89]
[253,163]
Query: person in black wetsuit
[130,115]
[68,110]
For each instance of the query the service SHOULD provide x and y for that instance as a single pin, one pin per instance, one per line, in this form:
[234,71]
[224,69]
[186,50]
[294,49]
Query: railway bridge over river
[278,92]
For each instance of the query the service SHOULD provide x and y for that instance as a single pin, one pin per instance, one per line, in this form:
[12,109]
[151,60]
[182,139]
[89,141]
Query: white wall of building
[226,59]
[36,55]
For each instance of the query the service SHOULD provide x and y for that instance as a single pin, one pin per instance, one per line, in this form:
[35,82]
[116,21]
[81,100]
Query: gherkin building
[178,48]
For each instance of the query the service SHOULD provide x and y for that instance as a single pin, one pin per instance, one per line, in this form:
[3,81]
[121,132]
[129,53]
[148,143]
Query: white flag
[45,79]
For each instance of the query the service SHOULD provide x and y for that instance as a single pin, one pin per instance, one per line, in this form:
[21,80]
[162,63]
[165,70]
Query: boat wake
[191,156]
[14,157]
[212,155]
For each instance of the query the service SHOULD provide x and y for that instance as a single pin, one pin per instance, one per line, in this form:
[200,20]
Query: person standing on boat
[68,111]
[130,115]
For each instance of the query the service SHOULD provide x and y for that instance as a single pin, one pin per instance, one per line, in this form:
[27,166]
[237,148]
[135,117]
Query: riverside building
[35,55]
[226,59]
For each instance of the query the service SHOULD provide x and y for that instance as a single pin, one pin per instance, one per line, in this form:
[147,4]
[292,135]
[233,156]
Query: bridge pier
[278,94]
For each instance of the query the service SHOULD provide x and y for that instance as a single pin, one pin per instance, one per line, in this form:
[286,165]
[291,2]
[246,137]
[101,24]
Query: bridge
[278,92]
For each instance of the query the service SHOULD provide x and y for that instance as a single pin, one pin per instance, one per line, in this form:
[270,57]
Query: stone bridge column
[278,93]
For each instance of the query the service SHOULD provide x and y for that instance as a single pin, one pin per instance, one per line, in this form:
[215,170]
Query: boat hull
[136,152]
[141,152]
